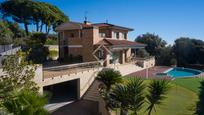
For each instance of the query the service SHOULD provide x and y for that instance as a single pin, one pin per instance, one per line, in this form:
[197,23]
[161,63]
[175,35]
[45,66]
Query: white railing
[4,48]
[143,59]
[11,51]
[77,65]
[145,62]
[69,69]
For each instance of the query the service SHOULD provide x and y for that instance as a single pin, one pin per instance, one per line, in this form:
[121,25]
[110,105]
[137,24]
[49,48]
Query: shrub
[109,77]
[35,45]
[26,103]
[52,54]
[51,42]
[173,61]
[142,53]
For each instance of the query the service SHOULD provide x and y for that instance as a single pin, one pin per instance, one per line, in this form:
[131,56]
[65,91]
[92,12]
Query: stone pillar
[122,57]
[78,89]
[107,62]
[38,78]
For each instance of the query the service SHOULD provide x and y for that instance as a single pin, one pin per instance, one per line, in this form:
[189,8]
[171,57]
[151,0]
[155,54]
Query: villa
[96,42]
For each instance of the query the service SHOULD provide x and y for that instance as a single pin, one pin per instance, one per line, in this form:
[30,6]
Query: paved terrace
[151,72]
[134,65]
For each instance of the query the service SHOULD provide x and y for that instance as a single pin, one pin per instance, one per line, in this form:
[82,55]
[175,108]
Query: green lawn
[179,101]
[192,84]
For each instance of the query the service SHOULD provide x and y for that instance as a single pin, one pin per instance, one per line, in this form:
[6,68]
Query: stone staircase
[92,94]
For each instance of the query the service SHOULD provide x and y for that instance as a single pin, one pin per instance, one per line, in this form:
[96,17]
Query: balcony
[146,62]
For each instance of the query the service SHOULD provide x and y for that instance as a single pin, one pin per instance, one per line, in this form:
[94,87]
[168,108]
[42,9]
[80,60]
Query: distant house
[96,42]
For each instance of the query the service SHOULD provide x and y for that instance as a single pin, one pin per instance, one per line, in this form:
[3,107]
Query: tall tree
[33,12]
[6,34]
[19,10]
[35,45]
[166,55]
[189,51]
[16,29]
[154,42]
[157,47]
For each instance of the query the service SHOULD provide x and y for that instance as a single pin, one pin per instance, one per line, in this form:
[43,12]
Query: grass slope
[179,101]
[192,84]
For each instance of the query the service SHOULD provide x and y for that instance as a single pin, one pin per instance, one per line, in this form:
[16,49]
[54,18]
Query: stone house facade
[96,42]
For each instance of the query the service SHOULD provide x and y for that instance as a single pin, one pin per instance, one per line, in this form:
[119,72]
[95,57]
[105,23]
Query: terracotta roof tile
[111,25]
[123,43]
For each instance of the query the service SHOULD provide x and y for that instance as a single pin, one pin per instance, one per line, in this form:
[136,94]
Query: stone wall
[146,63]
[85,77]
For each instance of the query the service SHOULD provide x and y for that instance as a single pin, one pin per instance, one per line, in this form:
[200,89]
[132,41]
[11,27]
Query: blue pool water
[179,72]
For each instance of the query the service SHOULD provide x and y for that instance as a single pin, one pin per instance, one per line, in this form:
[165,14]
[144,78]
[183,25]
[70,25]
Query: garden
[128,95]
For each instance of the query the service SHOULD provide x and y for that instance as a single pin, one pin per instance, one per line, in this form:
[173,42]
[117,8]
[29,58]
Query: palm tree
[26,103]
[120,98]
[129,96]
[135,88]
[157,93]
[109,77]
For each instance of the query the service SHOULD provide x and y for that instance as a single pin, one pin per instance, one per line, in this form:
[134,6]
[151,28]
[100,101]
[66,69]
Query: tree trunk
[41,27]
[48,30]
[37,26]
[26,28]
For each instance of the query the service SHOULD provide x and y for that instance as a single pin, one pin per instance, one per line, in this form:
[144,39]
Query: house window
[64,42]
[102,35]
[60,36]
[124,35]
[116,35]
[100,54]
[72,35]
[81,34]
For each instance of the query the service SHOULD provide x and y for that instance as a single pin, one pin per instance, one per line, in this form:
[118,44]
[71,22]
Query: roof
[77,25]
[72,25]
[120,43]
[112,25]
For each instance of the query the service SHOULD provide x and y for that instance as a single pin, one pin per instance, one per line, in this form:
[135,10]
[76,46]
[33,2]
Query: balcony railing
[144,62]
[143,59]
[69,69]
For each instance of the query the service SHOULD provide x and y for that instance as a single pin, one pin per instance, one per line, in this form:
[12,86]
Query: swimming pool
[180,72]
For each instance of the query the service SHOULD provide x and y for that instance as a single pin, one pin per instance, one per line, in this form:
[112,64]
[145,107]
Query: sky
[170,19]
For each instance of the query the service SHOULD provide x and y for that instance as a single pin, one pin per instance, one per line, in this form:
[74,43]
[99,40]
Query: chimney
[87,22]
